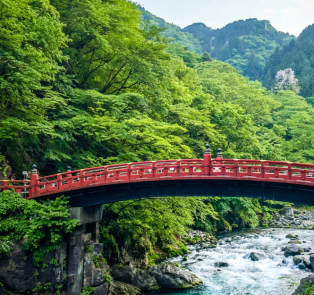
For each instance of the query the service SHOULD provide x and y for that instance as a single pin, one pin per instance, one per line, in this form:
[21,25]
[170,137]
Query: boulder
[134,254]
[294,242]
[136,277]
[301,266]
[221,264]
[169,275]
[304,284]
[94,274]
[307,224]
[102,289]
[207,246]
[312,260]
[297,212]
[121,288]
[257,256]
[305,259]
[293,250]
[17,270]
[291,235]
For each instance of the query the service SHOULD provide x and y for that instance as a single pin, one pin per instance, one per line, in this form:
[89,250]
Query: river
[244,276]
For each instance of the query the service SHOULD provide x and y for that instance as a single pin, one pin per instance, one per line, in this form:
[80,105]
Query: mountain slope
[246,45]
[297,55]
[172,31]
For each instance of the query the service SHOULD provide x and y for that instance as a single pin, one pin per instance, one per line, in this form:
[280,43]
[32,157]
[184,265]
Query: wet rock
[17,270]
[102,289]
[301,266]
[307,224]
[312,260]
[121,288]
[307,249]
[207,246]
[185,259]
[169,275]
[94,274]
[257,256]
[293,250]
[98,248]
[285,262]
[228,240]
[136,277]
[294,242]
[219,269]
[221,264]
[291,235]
[305,259]
[297,212]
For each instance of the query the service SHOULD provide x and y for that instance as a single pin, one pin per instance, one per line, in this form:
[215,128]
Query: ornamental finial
[219,154]
[34,169]
[207,150]
[68,168]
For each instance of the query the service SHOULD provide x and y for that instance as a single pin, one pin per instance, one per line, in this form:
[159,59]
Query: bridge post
[88,225]
[33,181]
[207,161]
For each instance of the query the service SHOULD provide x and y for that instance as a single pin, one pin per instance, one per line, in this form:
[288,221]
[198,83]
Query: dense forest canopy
[297,55]
[246,45]
[92,82]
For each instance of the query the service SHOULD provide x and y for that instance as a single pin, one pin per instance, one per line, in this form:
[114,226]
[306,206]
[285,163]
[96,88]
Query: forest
[89,83]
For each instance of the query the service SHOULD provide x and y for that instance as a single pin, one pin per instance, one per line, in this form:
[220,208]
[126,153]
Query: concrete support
[76,261]
[93,228]
[89,218]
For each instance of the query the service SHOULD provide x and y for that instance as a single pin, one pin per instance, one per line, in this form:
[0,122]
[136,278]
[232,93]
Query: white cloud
[269,11]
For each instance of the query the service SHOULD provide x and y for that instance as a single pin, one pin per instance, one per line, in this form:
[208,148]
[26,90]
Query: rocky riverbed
[259,262]
[262,261]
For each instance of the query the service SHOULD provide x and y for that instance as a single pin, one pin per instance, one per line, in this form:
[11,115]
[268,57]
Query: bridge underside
[285,192]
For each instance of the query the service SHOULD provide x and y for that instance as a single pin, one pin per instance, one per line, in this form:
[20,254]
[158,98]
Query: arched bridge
[275,180]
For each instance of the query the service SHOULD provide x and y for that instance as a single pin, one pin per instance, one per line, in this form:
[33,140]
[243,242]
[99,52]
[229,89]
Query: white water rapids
[244,276]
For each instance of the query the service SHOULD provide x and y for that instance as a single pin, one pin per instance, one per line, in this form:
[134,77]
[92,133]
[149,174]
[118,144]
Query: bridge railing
[165,169]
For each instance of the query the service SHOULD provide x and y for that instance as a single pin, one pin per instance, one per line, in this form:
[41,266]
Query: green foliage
[88,290]
[297,55]
[151,221]
[173,32]
[246,45]
[40,224]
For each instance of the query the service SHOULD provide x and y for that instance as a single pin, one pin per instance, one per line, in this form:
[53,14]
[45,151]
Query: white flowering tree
[285,80]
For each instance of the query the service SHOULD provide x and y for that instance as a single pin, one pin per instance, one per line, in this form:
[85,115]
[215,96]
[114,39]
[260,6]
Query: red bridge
[275,180]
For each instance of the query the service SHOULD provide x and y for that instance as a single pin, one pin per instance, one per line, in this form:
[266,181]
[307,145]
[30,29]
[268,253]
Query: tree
[285,80]
[31,39]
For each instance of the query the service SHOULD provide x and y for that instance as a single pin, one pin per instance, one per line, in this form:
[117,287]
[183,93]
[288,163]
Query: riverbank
[232,269]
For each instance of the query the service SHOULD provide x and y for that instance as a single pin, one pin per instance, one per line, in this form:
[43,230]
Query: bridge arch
[275,180]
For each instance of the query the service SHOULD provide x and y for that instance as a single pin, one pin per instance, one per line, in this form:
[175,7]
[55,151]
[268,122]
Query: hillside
[245,45]
[172,31]
[297,55]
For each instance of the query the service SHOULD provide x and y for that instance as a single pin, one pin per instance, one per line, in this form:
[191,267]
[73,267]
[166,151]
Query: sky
[289,16]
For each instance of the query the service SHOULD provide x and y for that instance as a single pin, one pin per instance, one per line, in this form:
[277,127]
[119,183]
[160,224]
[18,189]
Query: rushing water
[244,276]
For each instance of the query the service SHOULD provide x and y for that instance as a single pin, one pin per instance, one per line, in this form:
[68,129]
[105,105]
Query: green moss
[264,225]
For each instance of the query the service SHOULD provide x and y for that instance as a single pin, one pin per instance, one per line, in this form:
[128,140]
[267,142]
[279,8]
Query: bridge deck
[167,170]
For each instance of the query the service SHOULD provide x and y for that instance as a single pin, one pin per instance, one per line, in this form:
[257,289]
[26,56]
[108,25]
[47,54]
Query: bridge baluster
[290,171]
[236,167]
[262,169]
[59,179]
[154,169]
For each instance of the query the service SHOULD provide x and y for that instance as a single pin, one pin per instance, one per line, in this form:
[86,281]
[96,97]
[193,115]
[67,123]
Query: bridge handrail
[261,170]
